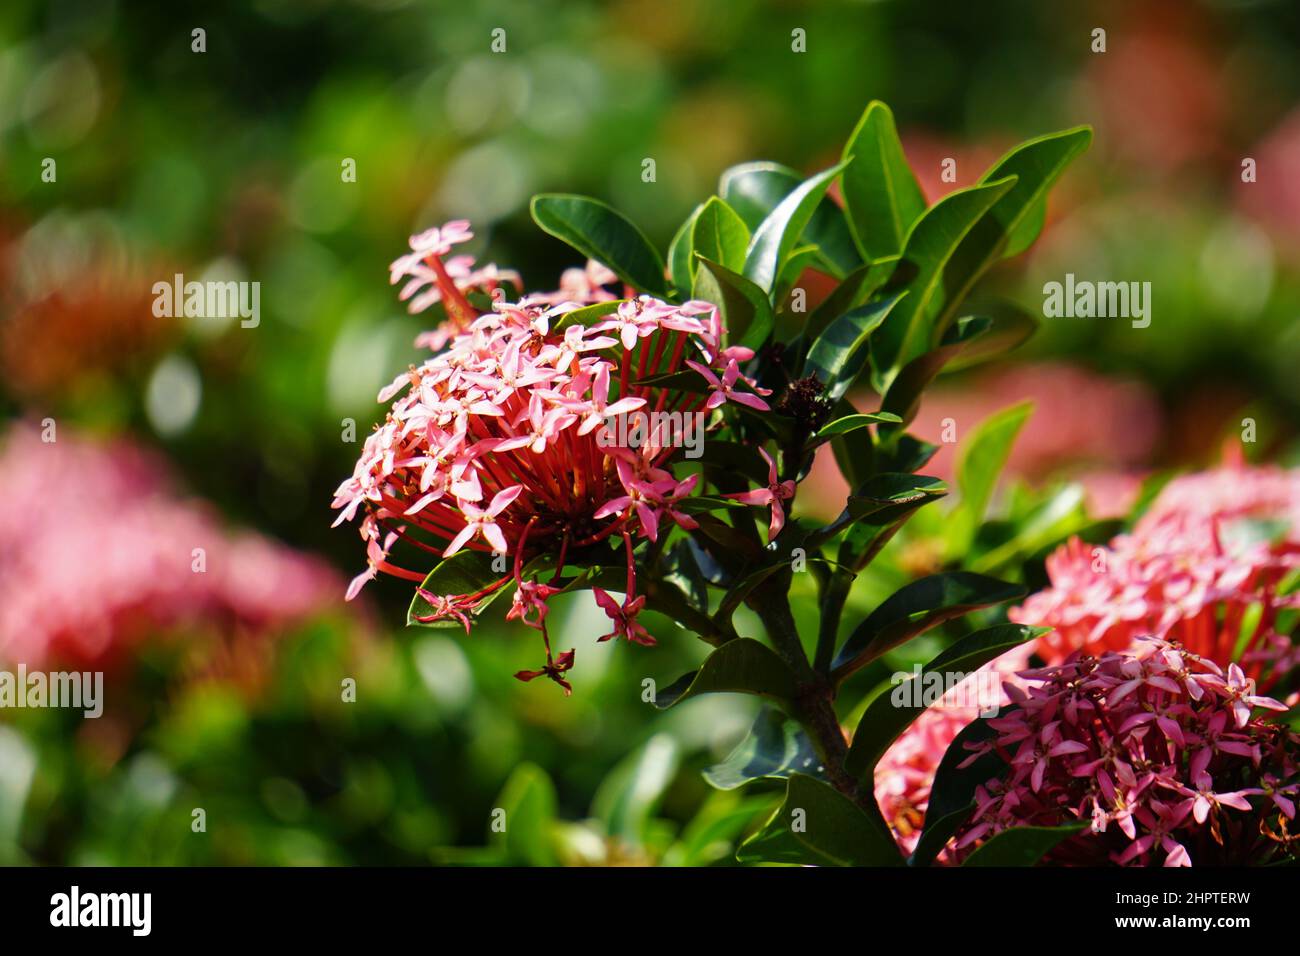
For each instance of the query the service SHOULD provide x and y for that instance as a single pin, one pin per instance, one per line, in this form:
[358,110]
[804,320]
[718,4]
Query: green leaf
[603,234]
[465,572]
[1011,224]
[626,799]
[914,609]
[858,286]
[816,824]
[904,395]
[586,315]
[952,795]
[779,233]
[775,746]
[980,459]
[528,800]
[894,710]
[681,265]
[746,310]
[753,190]
[922,270]
[720,235]
[840,354]
[850,423]
[742,666]
[881,501]
[1021,846]
[1037,164]
[1009,326]
[881,195]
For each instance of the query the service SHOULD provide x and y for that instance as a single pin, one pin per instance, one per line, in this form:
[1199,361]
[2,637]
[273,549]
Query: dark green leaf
[1021,846]
[895,708]
[841,352]
[816,824]
[742,666]
[904,395]
[603,234]
[746,311]
[917,607]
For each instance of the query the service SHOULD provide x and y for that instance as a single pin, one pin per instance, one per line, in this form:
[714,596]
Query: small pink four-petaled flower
[775,492]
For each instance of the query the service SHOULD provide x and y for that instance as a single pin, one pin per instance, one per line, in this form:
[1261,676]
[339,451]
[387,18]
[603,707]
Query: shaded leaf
[917,607]
[818,825]
[775,746]
[778,234]
[742,666]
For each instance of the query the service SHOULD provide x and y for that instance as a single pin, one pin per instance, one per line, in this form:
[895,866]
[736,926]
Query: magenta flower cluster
[1159,751]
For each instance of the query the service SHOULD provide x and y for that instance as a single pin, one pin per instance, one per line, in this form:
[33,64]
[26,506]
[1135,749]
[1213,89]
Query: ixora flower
[499,442]
[1211,565]
[1156,748]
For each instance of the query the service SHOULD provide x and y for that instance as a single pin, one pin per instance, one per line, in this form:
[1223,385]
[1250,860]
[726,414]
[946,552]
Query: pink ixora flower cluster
[1157,749]
[98,554]
[1210,565]
[499,442]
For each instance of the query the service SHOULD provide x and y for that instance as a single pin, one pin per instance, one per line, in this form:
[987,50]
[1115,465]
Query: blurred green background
[226,164]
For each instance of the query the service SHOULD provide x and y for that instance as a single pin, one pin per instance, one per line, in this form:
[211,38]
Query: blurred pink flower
[97,554]
[1206,559]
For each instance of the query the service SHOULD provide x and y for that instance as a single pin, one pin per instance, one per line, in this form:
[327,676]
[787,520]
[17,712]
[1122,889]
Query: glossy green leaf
[818,825]
[1009,327]
[778,234]
[603,234]
[840,354]
[681,264]
[753,190]
[1022,846]
[742,666]
[775,746]
[917,607]
[881,195]
[879,502]
[850,423]
[891,712]
[746,310]
[465,572]
[720,235]
[857,287]
[922,270]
